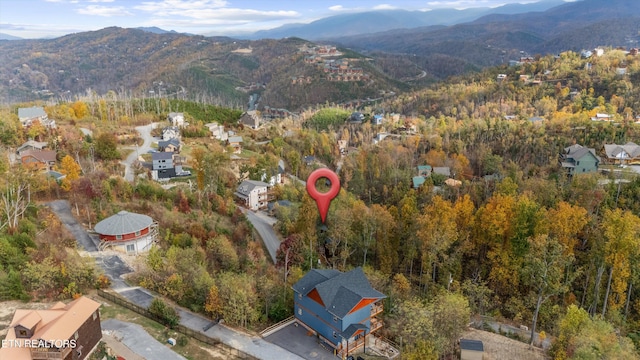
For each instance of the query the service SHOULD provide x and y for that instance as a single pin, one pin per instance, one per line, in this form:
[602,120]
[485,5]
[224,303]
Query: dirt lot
[498,347]
[7,308]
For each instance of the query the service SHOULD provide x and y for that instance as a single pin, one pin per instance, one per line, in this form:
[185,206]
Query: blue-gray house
[340,308]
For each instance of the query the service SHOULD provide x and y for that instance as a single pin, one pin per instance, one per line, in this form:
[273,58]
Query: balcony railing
[376,309]
[375,324]
[350,347]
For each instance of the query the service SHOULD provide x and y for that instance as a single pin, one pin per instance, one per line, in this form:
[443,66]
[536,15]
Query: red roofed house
[127,232]
[67,332]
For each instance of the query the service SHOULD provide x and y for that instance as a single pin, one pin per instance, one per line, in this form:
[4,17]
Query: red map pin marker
[323,200]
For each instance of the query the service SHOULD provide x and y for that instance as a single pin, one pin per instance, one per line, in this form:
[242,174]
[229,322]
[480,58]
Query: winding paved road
[145,134]
[266,232]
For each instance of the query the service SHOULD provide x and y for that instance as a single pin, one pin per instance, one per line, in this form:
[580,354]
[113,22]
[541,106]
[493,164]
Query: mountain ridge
[385,20]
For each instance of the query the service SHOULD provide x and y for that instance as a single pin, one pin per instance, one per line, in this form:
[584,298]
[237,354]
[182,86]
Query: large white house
[253,194]
[28,116]
[176,119]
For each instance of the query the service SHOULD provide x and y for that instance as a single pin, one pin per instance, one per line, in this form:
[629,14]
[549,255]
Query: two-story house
[32,145]
[176,119]
[28,116]
[253,194]
[236,143]
[622,154]
[38,159]
[65,331]
[170,132]
[162,165]
[171,145]
[339,308]
[250,119]
[577,159]
[217,131]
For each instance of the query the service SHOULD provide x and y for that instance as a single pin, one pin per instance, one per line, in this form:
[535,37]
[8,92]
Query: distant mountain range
[384,20]
[156,30]
[152,61]
[8,37]
[495,39]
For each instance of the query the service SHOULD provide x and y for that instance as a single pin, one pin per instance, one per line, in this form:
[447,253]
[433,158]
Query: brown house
[66,332]
[39,159]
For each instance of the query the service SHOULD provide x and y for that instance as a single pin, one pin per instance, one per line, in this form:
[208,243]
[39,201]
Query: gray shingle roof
[340,292]
[165,143]
[313,278]
[351,330]
[31,112]
[442,170]
[576,152]
[161,156]
[248,185]
[122,223]
[34,144]
[626,151]
[475,345]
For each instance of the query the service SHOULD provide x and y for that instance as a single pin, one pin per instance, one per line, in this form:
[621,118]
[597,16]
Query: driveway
[145,134]
[63,210]
[114,268]
[136,338]
[250,344]
[265,229]
[297,340]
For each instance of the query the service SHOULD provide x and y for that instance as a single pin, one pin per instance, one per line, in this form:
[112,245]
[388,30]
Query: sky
[52,18]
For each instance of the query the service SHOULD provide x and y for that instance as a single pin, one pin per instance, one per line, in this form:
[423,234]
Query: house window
[118,237]
[578,163]
[75,335]
[300,296]
[335,319]
[131,247]
[95,314]
[79,351]
[299,311]
[335,335]
[23,333]
[138,233]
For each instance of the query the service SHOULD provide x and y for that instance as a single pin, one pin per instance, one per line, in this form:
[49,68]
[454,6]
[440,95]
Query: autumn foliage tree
[70,168]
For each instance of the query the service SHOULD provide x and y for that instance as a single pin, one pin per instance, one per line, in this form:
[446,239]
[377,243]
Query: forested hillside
[517,239]
[495,39]
[133,63]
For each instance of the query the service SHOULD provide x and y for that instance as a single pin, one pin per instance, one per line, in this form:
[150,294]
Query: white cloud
[211,12]
[106,11]
[384,7]
[464,4]
[39,30]
[173,6]
[340,8]
[78,1]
